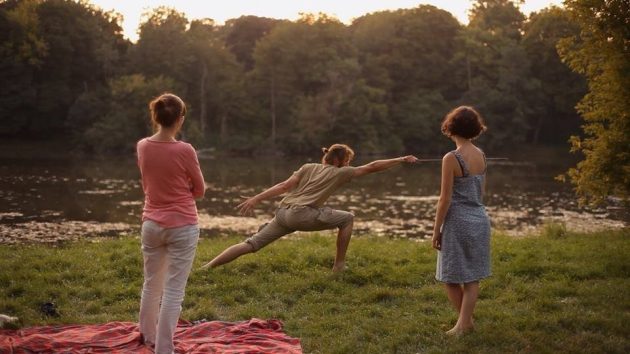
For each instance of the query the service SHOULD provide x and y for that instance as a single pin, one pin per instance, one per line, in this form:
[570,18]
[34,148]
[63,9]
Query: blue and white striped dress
[465,253]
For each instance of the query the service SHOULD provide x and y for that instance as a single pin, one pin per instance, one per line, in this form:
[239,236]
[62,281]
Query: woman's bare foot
[339,268]
[460,330]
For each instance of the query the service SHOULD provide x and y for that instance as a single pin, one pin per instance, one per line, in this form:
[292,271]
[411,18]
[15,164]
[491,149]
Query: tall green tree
[85,46]
[22,51]
[409,54]
[497,70]
[193,55]
[60,49]
[554,118]
[119,114]
[601,52]
[162,45]
[217,81]
[307,69]
[241,34]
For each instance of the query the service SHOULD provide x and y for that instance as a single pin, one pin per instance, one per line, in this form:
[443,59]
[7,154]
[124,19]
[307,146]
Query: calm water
[53,199]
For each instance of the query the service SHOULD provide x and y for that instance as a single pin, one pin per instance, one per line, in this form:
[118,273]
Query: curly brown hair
[463,121]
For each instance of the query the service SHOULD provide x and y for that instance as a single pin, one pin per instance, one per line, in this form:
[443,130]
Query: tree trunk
[223,129]
[273,109]
[537,130]
[468,70]
[202,98]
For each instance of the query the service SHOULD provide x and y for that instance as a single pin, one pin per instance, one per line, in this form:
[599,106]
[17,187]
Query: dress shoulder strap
[462,163]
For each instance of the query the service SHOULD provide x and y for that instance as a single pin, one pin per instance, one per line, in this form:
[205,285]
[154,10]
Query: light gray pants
[168,256]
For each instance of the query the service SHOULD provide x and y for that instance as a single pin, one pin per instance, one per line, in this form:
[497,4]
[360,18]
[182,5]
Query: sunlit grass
[558,292]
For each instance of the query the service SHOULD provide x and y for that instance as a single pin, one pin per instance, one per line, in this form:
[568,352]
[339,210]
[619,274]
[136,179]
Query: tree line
[255,84]
[381,83]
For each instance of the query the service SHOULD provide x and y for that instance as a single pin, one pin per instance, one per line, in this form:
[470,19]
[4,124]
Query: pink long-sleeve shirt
[171,180]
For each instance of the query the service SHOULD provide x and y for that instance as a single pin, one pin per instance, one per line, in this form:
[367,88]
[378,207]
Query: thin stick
[488,159]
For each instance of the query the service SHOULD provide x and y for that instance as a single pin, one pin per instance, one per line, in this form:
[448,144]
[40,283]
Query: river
[55,199]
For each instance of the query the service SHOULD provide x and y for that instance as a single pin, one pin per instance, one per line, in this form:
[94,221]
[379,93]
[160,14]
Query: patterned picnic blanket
[253,336]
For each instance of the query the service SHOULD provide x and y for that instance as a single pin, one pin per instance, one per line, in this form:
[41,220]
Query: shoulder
[141,142]
[308,166]
[450,161]
[183,151]
[186,148]
[141,146]
[346,172]
[304,169]
[449,157]
[347,169]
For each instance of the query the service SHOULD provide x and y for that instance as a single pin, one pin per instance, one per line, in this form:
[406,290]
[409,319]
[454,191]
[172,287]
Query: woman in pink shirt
[171,180]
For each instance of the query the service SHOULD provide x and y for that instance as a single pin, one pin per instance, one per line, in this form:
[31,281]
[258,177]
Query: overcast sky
[344,10]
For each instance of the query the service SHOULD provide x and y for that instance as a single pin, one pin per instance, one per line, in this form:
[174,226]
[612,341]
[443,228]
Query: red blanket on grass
[253,336]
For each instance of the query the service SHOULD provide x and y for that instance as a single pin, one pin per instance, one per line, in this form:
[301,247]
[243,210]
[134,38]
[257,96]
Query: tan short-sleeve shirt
[317,183]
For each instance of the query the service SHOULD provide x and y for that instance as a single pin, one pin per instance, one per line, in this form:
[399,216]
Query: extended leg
[267,234]
[229,254]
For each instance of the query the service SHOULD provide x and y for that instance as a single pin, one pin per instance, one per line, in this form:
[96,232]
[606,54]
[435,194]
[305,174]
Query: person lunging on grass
[302,209]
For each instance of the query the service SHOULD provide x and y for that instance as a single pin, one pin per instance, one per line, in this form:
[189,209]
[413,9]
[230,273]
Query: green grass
[558,292]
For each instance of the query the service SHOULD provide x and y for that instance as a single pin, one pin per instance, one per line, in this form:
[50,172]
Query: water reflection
[48,200]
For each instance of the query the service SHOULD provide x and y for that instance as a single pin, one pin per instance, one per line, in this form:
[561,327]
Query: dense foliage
[381,84]
[601,52]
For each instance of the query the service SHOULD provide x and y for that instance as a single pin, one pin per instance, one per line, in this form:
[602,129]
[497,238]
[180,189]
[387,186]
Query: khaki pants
[299,218]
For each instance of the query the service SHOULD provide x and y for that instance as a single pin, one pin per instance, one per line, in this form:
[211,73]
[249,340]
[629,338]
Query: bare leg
[343,240]
[469,300]
[471,292]
[231,253]
[455,294]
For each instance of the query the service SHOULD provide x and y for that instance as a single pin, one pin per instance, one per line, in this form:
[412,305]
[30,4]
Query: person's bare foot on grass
[460,330]
[338,268]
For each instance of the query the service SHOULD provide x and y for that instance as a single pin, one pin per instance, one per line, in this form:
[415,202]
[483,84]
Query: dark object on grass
[49,309]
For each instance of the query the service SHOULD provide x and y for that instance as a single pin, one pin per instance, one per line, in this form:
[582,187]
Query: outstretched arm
[280,188]
[381,165]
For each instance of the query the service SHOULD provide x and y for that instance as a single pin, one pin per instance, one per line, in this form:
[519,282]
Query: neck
[335,163]
[459,141]
[165,134]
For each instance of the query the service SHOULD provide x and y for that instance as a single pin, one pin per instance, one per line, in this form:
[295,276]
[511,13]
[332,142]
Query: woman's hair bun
[166,109]
[325,150]
[160,104]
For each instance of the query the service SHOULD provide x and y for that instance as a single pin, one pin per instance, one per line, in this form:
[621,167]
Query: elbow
[199,192]
[284,187]
[373,167]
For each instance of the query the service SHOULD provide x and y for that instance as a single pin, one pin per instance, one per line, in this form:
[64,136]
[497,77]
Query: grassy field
[550,293]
